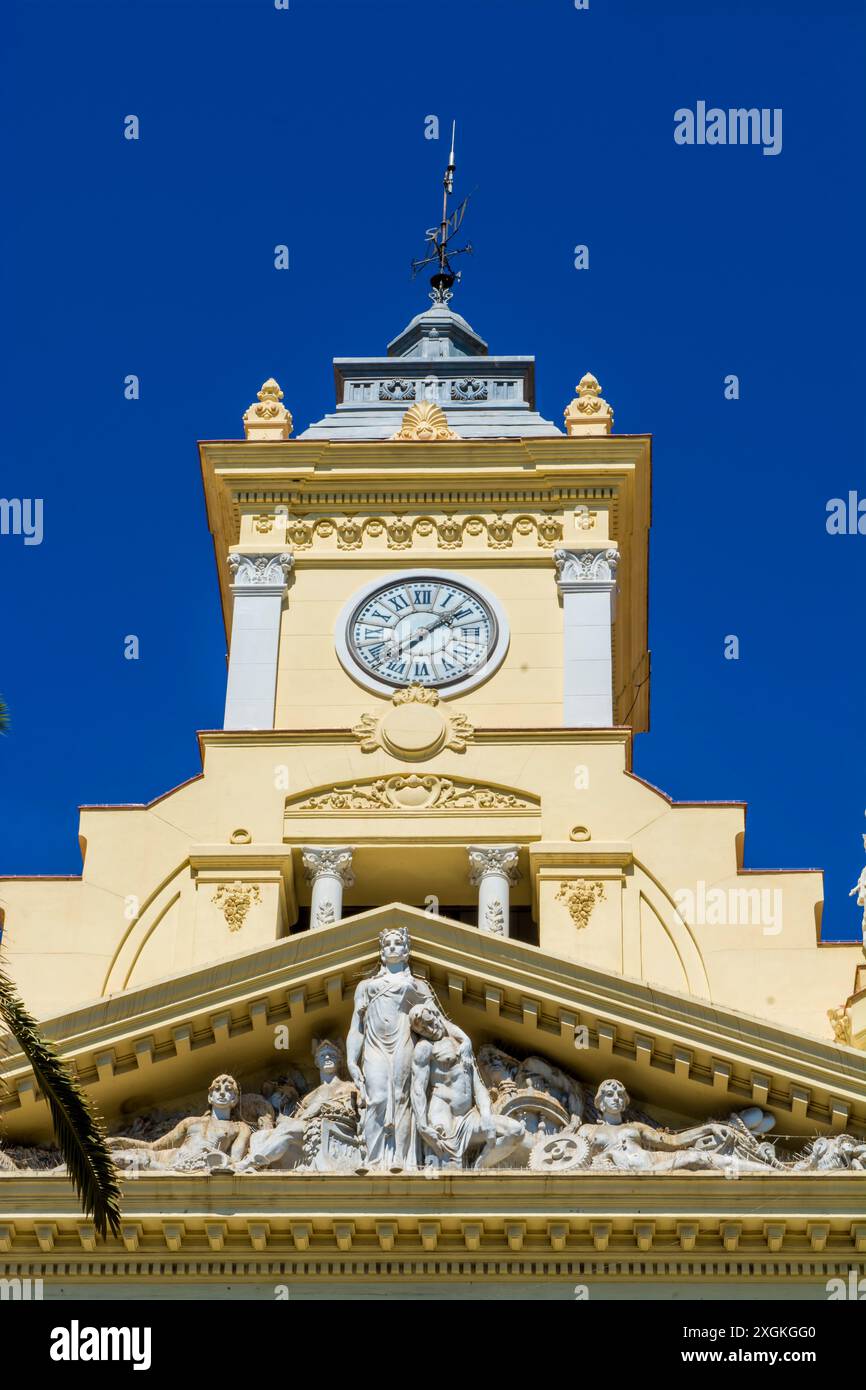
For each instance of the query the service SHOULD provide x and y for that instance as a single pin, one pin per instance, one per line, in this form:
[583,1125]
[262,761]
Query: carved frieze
[451,531]
[412,792]
[411,1093]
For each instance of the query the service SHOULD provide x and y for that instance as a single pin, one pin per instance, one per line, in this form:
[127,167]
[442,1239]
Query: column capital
[583,569]
[260,573]
[493,859]
[328,861]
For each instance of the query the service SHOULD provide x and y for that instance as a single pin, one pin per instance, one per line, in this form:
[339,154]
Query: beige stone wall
[313,690]
[144,909]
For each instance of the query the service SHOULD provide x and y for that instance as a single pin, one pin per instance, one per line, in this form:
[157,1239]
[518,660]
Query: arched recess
[670,956]
[153,911]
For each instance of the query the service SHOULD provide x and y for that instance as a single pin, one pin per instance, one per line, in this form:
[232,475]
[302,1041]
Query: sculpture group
[410,1094]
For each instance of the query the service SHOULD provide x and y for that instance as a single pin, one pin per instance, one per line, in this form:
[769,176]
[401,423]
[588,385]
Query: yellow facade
[152,983]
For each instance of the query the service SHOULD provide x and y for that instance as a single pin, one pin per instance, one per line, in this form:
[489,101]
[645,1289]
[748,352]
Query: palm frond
[4,716]
[77,1130]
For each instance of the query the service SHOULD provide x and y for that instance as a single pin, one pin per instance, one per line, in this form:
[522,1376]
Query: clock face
[422,629]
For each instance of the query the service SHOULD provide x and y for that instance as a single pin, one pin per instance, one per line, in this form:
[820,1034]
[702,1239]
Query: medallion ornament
[415,727]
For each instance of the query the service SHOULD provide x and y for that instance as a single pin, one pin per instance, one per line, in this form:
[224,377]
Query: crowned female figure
[379,1052]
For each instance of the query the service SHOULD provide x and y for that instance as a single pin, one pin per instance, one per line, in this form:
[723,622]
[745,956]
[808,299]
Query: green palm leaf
[78,1133]
[4,716]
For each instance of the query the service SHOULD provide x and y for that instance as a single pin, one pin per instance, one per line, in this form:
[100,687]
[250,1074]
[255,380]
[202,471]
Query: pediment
[680,1057]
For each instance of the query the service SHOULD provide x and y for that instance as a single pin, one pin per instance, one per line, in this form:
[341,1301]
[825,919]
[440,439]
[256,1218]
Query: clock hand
[426,631]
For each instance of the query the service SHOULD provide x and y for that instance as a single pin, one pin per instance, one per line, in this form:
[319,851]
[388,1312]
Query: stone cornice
[469,1224]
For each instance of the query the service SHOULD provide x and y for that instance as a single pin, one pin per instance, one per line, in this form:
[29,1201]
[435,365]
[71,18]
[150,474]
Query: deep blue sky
[261,126]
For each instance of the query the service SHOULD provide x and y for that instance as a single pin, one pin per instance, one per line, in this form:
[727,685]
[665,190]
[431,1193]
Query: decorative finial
[425,421]
[588,413]
[438,238]
[269,419]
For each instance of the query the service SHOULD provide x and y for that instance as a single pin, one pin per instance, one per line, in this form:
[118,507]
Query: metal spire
[439,238]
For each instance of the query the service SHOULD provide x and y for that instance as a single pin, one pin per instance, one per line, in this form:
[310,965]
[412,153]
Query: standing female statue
[379,1052]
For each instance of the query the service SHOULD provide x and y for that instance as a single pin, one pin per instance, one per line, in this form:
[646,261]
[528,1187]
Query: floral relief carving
[494,918]
[259,571]
[580,897]
[235,900]
[586,566]
[402,792]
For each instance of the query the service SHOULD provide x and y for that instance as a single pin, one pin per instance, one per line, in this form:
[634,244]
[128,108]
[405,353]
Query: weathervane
[438,238]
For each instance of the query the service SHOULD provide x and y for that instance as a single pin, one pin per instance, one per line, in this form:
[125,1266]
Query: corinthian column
[329,870]
[493,869]
[258,589]
[587,581]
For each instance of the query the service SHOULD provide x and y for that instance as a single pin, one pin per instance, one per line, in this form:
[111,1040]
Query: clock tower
[417,847]
[434,530]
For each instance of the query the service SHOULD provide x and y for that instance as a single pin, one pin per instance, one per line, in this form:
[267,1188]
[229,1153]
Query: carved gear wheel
[560,1153]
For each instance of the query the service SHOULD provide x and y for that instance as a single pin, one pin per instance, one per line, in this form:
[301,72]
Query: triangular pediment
[678,1055]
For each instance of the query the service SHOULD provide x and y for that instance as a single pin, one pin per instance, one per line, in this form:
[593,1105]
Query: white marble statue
[450,1102]
[217,1139]
[634,1147]
[379,1052]
[318,1131]
[860,889]
[543,1096]
[830,1152]
[418,1097]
